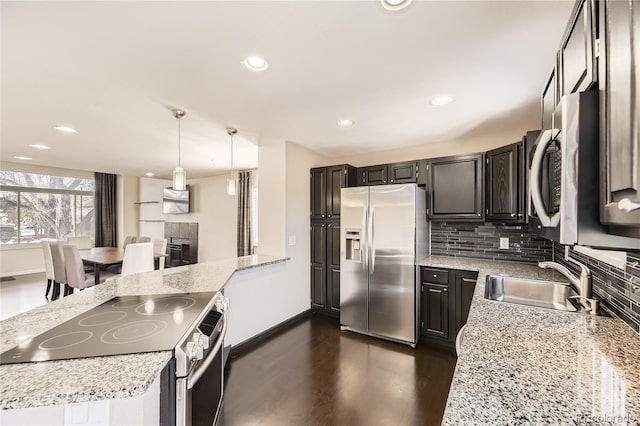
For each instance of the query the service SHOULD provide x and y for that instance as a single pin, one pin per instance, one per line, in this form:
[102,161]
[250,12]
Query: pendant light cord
[179,163]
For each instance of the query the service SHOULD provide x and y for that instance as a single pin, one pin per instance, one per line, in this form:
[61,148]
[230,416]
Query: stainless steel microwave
[564,177]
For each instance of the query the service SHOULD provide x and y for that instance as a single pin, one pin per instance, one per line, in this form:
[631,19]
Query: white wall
[262,298]
[211,207]
[432,150]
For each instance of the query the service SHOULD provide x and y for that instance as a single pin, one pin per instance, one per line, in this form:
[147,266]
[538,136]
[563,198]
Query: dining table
[101,257]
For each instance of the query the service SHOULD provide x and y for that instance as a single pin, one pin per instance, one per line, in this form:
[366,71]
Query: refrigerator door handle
[372,243]
[364,243]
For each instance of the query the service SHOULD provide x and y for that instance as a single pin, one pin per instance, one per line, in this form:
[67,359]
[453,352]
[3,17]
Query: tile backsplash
[617,289]
[482,240]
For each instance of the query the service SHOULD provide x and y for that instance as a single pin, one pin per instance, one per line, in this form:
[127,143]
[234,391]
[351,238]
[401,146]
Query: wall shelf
[151,220]
[146,202]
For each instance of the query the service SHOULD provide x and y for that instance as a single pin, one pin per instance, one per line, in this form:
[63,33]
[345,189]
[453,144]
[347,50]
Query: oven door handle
[534,178]
[192,380]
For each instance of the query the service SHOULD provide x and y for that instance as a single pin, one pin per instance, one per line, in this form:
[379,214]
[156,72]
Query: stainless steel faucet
[582,283]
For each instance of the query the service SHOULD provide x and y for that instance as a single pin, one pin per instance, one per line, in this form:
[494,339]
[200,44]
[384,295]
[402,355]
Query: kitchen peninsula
[56,383]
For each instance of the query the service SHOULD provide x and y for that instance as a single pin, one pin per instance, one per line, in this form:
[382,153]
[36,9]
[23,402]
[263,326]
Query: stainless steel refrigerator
[383,236]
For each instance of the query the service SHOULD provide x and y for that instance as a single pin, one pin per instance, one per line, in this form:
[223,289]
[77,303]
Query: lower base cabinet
[445,302]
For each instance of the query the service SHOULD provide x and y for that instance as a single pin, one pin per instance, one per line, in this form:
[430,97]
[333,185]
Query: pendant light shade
[179,174]
[231,180]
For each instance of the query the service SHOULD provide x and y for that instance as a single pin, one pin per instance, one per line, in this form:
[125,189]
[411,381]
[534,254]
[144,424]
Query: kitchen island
[102,378]
[526,365]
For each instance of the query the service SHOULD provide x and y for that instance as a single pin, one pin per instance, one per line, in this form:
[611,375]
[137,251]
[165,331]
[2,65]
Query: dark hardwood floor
[313,374]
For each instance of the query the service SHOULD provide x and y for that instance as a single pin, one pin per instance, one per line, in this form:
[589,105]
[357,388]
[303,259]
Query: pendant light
[231,180]
[179,174]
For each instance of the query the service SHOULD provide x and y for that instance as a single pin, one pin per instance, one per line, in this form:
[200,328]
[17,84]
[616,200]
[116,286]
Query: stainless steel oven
[564,177]
[199,369]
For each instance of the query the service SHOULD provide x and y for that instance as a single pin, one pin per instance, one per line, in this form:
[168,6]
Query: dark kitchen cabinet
[318,263]
[333,267]
[465,283]
[619,83]
[456,188]
[319,193]
[406,172]
[505,184]
[435,315]
[446,297]
[576,57]
[326,183]
[374,175]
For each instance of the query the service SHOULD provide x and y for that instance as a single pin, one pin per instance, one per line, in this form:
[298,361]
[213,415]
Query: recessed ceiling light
[65,129]
[395,5]
[255,63]
[344,123]
[39,146]
[216,160]
[441,100]
[22,157]
[149,174]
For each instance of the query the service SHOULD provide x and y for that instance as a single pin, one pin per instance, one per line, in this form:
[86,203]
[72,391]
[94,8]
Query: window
[37,206]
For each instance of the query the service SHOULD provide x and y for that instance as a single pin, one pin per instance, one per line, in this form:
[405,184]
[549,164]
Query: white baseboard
[26,272]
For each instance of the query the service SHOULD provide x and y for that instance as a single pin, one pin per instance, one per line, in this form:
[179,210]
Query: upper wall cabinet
[326,183]
[619,75]
[457,188]
[374,175]
[577,60]
[505,184]
[406,172]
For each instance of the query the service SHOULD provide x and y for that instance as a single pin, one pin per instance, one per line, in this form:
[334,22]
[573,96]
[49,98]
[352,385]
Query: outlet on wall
[504,243]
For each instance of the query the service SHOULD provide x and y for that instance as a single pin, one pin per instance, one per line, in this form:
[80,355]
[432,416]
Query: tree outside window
[37,206]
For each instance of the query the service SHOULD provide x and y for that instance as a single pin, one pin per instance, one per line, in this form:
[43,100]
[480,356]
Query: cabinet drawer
[436,276]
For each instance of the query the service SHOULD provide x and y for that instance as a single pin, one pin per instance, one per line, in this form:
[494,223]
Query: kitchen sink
[543,294]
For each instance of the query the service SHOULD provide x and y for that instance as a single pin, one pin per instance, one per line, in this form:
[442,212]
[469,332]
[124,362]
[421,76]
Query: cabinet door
[435,310]
[318,264]
[318,193]
[375,175]
[549,101]
[457,188]
[333,266]
[620,106]
[504,176]
[576,51]
[465,282]
[403,172]
[336,180]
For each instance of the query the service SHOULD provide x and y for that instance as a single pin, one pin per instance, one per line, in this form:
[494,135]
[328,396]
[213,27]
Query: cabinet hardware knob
[444,289]
[329,215]
[627,206]
[513,215]
[435,276]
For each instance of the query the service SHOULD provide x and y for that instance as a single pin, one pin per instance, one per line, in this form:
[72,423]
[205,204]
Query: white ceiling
[113,69]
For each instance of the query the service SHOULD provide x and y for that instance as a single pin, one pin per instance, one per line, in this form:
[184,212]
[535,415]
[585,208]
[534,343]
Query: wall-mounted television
[175,202]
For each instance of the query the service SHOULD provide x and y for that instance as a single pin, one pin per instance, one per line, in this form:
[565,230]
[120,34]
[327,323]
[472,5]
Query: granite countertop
[526,365]
[89,379]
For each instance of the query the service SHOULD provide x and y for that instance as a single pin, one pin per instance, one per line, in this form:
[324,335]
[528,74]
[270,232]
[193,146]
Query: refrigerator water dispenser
[353,251]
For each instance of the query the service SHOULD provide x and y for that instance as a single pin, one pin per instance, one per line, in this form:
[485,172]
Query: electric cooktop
[122,325]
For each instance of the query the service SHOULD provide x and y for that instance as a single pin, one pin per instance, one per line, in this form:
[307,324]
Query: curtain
[105,210]
[245,246]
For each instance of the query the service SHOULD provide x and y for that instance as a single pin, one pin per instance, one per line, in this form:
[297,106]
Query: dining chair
[160,246]
[76,276]
[138,257]
[48,266]
[143,240]
[59,273]
[130,239]
[81,242]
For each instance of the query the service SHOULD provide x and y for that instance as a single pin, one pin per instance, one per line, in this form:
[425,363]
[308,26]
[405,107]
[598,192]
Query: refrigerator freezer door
[354,277]
[392,297]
